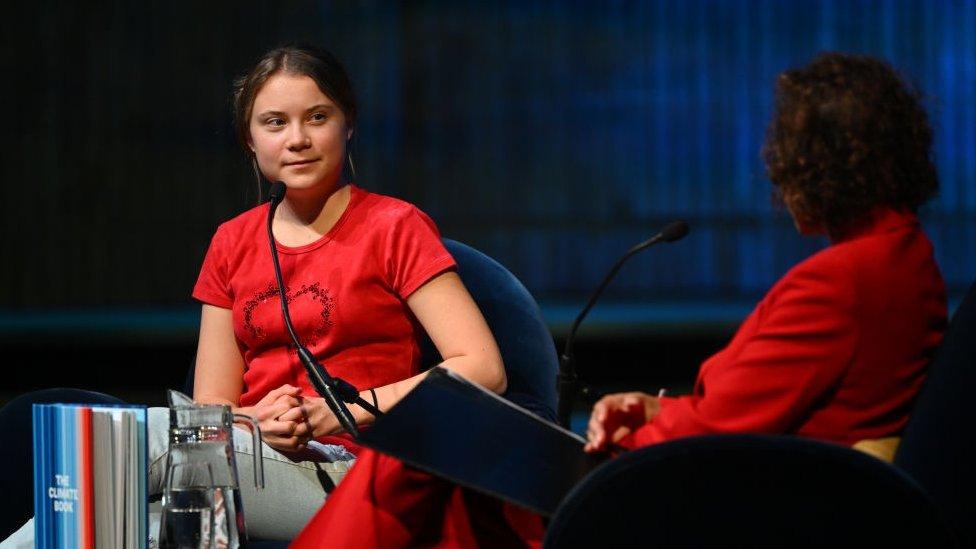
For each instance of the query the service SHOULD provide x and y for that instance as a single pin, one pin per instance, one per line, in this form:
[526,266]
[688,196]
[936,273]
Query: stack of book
[90,475]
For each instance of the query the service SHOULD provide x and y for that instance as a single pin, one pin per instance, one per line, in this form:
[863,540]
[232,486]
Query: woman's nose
[298,139]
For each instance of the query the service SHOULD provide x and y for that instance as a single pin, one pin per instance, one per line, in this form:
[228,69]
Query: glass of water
[187,521]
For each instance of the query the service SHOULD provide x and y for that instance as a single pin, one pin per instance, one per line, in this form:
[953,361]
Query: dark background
[550,135]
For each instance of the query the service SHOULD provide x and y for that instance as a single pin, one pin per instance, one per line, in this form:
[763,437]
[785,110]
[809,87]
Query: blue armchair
[938,449]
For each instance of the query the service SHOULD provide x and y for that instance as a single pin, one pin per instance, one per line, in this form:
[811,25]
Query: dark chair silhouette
[515,320]
[938,448]
[747,491]
[17,450]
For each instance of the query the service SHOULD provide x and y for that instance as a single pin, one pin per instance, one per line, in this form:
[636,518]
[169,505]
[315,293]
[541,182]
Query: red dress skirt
[384,503]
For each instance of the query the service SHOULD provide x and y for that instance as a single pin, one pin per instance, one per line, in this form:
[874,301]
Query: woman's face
[298,134]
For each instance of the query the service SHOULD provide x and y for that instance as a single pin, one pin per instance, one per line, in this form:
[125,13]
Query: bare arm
[452,319]
[219,373]
[459,331]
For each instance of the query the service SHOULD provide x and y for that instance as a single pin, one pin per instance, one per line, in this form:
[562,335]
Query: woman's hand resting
[288,420]
[314,417]
[617,415]
[275,414]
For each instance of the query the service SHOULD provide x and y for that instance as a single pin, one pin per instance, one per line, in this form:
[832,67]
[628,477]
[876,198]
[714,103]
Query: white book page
[120,449]
[104,477]
[132,503]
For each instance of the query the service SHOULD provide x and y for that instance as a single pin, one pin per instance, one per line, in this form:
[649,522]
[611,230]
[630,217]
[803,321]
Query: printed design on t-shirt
[314,291]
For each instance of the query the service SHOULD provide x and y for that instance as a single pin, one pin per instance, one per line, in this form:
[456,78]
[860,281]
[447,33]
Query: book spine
[86,483]
[63,489]
[43,460]
[142,428]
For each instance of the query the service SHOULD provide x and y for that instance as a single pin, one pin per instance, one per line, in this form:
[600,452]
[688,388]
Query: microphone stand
[567,380]
[335,391]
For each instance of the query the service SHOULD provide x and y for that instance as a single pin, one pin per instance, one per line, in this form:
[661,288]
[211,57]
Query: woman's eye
[275,122]
[318,117]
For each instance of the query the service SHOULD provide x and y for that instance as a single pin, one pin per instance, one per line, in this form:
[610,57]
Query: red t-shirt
[346,294]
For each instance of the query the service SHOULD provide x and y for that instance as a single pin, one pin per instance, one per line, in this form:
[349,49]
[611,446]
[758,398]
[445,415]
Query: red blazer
[837,350]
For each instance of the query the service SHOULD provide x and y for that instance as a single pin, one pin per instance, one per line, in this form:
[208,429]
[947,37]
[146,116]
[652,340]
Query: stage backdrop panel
[551,135]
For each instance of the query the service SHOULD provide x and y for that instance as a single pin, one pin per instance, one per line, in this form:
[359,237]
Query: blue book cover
[63,487]
[90,476]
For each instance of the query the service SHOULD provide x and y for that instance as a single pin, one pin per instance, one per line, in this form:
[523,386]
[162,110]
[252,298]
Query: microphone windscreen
[676,230]
[277,193]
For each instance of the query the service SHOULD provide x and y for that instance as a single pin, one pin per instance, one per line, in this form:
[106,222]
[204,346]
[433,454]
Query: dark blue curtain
[551,135]
[557,134]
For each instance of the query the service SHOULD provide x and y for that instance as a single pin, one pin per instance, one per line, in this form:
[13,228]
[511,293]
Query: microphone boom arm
[335,391]
[567,380]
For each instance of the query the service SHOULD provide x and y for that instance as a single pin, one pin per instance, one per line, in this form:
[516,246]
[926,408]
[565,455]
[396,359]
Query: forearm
[386,397]
[471,368]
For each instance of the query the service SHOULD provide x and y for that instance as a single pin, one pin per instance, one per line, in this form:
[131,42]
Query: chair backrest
[746,491]
[513,315]
[938,448]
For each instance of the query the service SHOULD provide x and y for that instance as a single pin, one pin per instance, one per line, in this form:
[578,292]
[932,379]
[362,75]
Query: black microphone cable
[335,391]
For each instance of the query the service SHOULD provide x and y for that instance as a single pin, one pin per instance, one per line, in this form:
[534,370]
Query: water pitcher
[201,439]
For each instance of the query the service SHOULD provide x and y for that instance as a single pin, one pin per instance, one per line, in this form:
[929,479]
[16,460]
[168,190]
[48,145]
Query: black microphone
[567,381]
[332,389]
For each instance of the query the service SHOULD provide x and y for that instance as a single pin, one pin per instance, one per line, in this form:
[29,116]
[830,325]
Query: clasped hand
[616,416]
[288,420]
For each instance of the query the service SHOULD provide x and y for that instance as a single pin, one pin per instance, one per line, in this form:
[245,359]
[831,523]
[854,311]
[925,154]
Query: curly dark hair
[848,135]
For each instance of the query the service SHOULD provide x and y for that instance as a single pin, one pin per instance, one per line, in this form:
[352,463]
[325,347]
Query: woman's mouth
[300,163]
